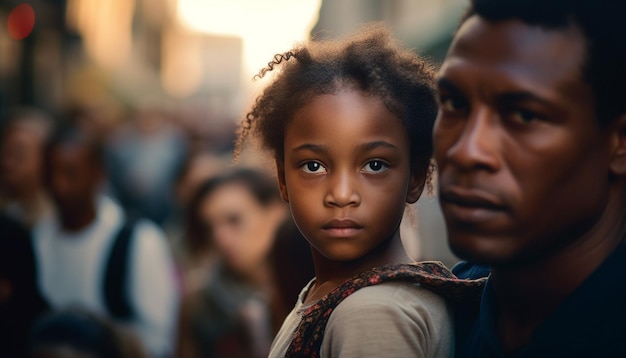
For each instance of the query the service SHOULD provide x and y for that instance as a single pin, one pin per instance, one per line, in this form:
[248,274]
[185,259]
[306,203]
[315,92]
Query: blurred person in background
[23,133]
[142,158]
[94,256]
[197,167]
[292,268]
[73,333]
[20,300]
[227,311]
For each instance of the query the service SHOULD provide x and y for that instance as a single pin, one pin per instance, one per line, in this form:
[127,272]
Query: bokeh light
[265,26]
[21,21]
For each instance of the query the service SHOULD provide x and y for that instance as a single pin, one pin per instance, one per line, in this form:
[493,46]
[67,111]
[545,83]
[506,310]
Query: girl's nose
[342,190]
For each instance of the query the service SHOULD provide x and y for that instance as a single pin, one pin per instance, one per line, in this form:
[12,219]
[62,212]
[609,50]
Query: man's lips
[471,206]
[471,198]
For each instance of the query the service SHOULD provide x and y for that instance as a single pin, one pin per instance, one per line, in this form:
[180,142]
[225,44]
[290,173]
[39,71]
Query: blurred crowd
[139,239]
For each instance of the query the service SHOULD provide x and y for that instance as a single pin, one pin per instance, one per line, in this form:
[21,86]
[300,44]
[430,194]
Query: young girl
[349,125]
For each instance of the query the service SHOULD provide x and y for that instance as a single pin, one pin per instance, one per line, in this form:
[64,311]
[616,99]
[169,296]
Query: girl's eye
[313,167]
[375,166]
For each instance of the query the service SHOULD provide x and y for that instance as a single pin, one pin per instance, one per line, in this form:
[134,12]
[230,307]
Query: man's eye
[523,116]
[451,104]
[313,167]
[375,166]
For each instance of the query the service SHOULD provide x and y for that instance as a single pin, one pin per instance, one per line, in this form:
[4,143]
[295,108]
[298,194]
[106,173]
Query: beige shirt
[392,319]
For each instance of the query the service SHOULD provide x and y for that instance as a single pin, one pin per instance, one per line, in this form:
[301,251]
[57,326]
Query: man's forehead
[489,60]
[510,54]
[514,40]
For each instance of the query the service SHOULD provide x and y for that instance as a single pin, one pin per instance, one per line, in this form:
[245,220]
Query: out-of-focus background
[195,58]
[162,85]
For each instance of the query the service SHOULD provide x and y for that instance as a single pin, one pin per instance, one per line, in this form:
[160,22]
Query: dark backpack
[115,288]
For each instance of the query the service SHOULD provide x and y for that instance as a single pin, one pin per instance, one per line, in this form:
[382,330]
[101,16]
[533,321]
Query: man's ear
[416,186]
[618,147]
[280,174]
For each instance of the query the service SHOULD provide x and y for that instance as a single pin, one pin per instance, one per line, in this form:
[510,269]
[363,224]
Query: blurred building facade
[107,57]
[117,50]
[424,25]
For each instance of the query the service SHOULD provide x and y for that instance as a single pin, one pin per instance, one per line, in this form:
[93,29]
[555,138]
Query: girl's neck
[330,274]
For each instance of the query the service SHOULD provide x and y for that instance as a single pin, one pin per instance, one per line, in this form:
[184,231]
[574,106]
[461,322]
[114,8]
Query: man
[530,142]
[74,250]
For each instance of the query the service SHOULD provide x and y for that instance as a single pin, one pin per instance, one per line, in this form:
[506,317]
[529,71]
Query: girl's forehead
[349,115]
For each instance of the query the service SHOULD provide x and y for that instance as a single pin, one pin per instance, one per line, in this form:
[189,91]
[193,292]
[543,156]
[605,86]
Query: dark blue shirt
[591,322]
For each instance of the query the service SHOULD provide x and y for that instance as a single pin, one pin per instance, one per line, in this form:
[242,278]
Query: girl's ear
[618,158]
[416,186]
[280,174]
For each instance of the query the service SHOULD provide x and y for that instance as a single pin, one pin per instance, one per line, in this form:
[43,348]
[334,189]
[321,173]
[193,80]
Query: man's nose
[477,145]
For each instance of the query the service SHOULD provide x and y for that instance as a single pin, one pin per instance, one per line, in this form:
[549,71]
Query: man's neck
[77,220]
[527,295]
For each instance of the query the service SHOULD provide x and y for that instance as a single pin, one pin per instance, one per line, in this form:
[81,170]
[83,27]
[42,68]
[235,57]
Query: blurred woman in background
[231,223]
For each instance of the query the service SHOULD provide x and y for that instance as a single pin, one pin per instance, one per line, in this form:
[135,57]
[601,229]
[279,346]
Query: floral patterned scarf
[432,275]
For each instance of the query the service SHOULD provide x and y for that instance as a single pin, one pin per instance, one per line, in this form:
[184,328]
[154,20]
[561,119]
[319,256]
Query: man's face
[73,177]
[523,164]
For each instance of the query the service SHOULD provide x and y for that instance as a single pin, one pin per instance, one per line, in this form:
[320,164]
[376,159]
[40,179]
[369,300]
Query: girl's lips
[342,227]
[342,224]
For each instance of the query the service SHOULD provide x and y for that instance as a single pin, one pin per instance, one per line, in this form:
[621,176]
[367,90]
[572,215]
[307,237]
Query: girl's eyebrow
[311,147]
[377,144]
[366,146]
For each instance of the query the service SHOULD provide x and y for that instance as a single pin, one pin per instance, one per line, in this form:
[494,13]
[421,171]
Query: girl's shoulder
[395,310]
[403,298]
[390,319]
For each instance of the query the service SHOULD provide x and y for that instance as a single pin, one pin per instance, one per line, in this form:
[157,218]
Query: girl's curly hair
[371,61]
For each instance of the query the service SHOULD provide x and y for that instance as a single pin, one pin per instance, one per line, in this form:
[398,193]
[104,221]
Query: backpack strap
[115,286]
[432,275]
